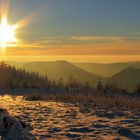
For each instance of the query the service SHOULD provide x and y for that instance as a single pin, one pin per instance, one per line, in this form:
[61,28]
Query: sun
[7,34]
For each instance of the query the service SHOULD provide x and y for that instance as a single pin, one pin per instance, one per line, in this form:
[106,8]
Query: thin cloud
[82,39]
[80,45]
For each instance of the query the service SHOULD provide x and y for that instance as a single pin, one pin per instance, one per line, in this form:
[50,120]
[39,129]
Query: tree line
[11,77]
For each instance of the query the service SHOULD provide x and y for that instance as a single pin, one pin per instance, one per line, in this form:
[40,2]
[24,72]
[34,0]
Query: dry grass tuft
[117,102]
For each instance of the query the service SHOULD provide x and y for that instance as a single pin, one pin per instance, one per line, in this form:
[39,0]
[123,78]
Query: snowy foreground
[62,121]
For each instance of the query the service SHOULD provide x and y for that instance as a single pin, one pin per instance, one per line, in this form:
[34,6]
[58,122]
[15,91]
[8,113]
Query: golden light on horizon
[7,33]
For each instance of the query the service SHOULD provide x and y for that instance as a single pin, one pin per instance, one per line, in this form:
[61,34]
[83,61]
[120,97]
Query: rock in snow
[13,129]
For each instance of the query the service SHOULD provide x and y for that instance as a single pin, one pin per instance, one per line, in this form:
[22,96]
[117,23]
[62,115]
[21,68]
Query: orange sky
[56,33]
[81,49]
[73,58]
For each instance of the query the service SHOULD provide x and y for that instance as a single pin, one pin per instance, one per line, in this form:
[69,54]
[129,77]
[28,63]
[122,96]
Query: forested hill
[11,77]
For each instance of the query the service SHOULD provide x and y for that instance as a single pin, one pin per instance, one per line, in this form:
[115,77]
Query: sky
[75,30]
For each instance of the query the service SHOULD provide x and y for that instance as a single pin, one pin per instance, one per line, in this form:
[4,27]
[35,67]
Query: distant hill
[126,74]
[60,69]
[106,70]
[128,78]
[15,63]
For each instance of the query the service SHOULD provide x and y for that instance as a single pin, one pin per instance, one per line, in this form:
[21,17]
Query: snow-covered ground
[62,121]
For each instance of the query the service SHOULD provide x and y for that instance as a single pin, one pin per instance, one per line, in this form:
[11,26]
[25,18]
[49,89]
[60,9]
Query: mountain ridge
[128,78]
[60,69]
[107,70]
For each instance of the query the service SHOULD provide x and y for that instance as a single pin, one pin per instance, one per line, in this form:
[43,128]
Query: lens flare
[7,33]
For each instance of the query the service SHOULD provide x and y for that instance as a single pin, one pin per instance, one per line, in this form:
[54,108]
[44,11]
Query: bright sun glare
[7,33]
